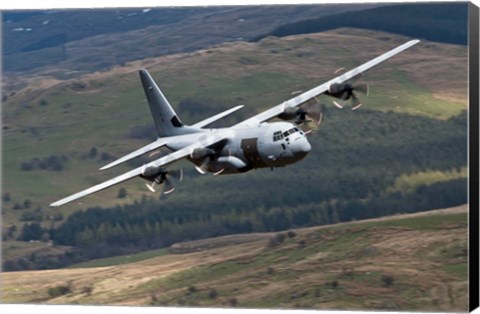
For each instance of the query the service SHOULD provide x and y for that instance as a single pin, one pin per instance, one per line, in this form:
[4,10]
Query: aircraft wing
[203,141]
[145,149]
[314,92]
[216,117]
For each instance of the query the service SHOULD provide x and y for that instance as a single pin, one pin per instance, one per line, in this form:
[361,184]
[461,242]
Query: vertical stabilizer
[166,120]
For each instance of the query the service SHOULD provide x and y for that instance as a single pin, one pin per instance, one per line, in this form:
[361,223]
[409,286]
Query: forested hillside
[441,22]
[353,179]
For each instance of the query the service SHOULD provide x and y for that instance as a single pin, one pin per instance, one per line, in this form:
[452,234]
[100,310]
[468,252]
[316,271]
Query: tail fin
[166,120]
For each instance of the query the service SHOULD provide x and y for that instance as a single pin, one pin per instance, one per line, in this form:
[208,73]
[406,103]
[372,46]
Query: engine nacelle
[297,115]
[232,161]
[342,91]
[201,153]
[150,173]
[289,114]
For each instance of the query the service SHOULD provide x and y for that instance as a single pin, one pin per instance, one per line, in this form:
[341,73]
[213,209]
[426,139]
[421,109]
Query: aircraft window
[277,136]
[291,131]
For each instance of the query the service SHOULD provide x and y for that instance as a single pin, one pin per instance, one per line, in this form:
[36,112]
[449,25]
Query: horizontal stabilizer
[139,152]
[216,117]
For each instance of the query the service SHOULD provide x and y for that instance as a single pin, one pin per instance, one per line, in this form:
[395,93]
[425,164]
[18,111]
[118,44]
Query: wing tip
[413,42]
[105,167]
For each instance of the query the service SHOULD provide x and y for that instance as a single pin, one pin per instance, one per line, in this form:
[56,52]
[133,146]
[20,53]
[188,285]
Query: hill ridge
[439,22]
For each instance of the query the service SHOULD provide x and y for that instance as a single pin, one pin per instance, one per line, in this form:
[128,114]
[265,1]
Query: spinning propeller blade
[347,91]
[162,177]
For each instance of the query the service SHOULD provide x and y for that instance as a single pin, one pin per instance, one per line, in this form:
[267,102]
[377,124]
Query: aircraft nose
[305,146]
[302,147]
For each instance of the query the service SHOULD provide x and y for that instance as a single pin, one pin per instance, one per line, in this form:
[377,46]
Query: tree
[59,291]
[212,294]
[45,237]
[31,232]
[36,215]
[280,237]
[291,234]
[10,233]
[93,152]
[26,166]
[122,193]
[58,217]
[387,280]
[27,203]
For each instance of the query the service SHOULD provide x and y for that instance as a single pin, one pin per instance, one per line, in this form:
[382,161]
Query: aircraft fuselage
[267,145]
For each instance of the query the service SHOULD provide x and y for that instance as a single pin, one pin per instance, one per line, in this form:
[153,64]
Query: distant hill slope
[440,22]
[402,263]
[85,40]
[35,30]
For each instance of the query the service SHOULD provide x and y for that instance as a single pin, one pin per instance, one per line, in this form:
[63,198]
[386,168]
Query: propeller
[346,91]
[205,155]
[159,175]
[339,70]
[154,153]
[308,112]
[202,169]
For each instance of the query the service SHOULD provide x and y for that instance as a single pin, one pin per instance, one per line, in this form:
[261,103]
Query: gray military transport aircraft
[250,144]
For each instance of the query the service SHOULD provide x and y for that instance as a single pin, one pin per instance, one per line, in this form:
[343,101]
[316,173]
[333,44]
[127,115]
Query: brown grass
[408,255]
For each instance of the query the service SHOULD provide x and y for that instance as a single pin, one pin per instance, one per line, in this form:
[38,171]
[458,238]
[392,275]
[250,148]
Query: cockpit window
[277,136]
[291,131]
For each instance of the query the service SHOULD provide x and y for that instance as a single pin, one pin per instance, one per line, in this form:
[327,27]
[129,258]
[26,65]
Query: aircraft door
[250,150]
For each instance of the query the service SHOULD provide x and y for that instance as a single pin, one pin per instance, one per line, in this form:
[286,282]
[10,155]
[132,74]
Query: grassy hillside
[415,262]
[421,88]
[43,120]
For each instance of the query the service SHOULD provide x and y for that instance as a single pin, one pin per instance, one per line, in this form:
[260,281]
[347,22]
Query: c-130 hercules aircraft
[250,144]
